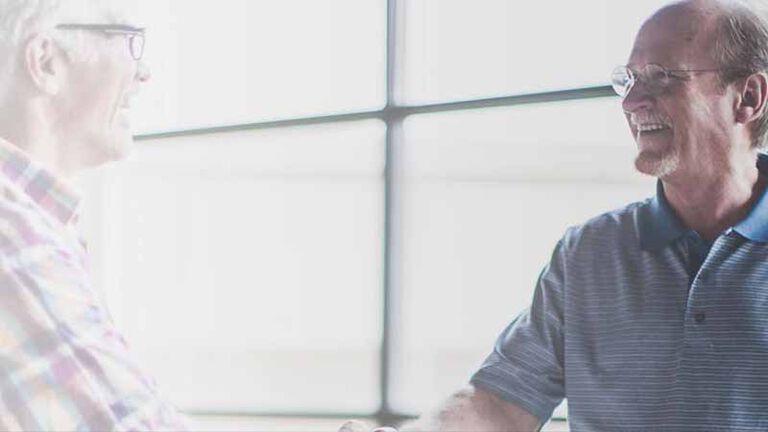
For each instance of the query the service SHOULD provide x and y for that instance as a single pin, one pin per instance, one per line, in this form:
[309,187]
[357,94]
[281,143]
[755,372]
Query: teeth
[651,127]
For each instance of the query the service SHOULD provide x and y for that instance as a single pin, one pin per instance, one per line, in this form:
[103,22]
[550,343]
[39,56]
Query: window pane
[244,61]
[485,196]
[245,268]
[456,49]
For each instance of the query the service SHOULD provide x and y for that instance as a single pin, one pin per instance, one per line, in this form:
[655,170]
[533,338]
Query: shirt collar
[659,225]
[755,226]
[52,194]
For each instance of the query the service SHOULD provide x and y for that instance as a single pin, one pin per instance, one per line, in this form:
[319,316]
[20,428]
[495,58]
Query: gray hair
[19,19]
[742,47]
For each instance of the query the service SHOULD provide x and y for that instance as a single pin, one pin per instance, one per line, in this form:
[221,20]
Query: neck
[26,127]
[713,204]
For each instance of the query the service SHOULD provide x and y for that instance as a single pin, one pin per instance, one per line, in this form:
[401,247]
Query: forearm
[474,410]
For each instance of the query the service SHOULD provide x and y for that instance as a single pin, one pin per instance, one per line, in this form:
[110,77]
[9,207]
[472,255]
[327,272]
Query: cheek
[113,98]
[690,116]
[713,118]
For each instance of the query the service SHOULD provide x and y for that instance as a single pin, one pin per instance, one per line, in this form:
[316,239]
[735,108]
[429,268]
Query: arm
[526,366]
[476,410]
[468,410]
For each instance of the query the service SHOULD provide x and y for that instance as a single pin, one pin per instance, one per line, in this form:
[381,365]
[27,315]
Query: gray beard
[657,165]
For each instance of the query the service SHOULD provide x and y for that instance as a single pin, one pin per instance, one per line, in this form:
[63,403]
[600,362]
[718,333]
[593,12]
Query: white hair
[20,19]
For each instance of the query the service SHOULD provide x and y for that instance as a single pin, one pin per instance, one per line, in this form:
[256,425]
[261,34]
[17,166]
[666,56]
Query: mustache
[636,119]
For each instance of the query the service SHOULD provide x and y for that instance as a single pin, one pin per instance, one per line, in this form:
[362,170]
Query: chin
[659,166]
[122,149]
[113,150]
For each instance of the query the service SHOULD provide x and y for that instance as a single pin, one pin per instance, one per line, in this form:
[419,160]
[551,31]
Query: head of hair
[741,49]
[21,19]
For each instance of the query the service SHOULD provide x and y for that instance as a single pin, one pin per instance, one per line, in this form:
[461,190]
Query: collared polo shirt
[63,364]
[642,325]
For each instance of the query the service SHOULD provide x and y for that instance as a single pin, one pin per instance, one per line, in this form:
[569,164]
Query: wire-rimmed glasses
[656,78]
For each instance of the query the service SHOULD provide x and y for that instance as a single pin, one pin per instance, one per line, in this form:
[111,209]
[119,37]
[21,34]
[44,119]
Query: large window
[334,207]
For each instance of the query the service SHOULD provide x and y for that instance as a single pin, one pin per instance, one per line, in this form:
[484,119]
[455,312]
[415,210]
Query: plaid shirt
[63,365]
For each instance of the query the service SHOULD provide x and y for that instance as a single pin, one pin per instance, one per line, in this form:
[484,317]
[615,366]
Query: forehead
[676,36]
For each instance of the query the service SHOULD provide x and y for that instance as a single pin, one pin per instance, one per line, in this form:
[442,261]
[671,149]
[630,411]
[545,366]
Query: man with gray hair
[654,317]
[68,73]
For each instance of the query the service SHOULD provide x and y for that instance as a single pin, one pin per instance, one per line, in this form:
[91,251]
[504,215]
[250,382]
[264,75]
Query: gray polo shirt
[642,325]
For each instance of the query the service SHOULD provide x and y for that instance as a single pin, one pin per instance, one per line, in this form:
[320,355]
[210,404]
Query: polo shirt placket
[700,305]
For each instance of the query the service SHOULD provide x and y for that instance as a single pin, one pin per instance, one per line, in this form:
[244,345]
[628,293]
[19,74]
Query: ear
[43,64]
[752,99]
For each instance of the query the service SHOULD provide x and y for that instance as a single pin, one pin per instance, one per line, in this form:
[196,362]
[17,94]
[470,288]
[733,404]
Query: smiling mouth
[651,128]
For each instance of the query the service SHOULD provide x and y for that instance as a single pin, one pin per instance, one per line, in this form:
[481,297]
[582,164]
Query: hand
[356,426]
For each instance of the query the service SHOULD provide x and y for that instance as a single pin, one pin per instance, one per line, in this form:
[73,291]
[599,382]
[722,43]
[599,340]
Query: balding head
[699,24]
[691,16]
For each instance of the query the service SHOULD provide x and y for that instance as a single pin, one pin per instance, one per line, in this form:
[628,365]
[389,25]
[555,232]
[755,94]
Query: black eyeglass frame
[668,73]
[135,35]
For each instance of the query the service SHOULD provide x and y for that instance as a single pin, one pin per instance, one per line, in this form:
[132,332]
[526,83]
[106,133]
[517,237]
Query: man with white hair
[68,72]
[654,317]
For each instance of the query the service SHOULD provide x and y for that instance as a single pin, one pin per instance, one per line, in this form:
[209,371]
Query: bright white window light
[245,268]
[244,61]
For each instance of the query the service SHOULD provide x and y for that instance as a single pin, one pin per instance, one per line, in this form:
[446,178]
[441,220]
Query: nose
[143,73]
[637,99]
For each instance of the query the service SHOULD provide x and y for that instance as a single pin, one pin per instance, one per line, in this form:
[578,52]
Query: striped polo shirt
[642,325]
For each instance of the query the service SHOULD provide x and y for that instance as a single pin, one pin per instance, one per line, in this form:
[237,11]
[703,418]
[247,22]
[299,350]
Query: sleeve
[526,365]
[63,365]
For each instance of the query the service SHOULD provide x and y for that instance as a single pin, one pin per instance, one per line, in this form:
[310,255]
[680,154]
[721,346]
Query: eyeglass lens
[622,80]
[136,43]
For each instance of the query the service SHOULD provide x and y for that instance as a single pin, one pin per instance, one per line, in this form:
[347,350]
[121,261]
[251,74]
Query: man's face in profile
[102,84]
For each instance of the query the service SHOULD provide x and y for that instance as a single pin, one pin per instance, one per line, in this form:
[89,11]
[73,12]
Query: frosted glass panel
[485,197]
[241,61]
[458,49]
[587,140]
[245,268]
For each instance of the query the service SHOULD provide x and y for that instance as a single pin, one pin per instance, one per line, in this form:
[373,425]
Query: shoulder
[36,255]
[24,227]
[609,230]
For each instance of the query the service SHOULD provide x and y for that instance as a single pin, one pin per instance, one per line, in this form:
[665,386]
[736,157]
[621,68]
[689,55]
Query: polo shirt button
[699,317]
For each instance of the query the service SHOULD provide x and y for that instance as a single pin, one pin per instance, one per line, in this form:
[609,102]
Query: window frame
[392,115]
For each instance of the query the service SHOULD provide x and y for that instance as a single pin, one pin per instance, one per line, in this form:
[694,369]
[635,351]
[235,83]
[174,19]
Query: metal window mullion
[392,121]
[392,110]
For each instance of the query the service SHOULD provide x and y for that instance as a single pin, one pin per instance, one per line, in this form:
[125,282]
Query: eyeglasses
[134,35]
[657,79]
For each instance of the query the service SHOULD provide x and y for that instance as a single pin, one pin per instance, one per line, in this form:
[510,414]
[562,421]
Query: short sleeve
[526,365]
